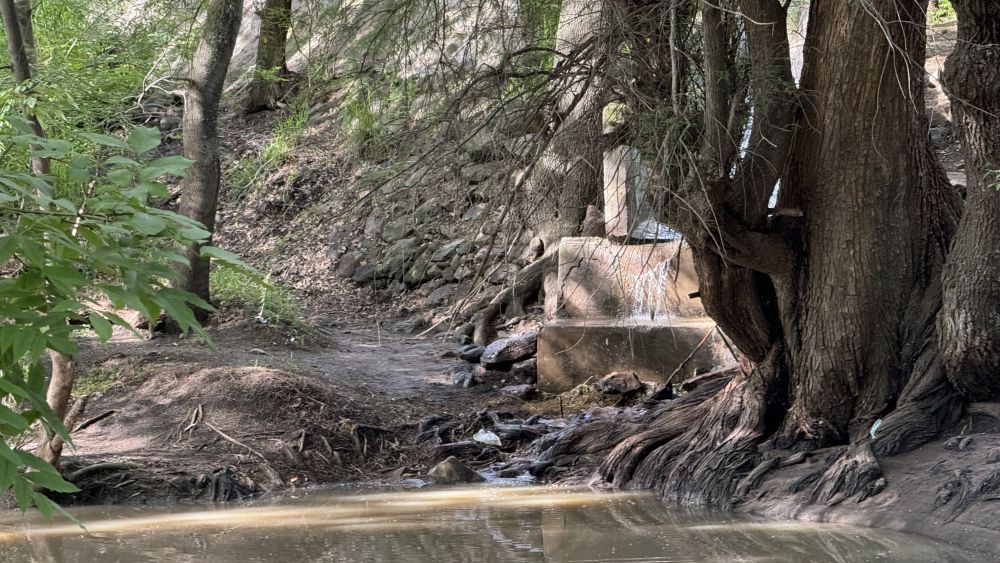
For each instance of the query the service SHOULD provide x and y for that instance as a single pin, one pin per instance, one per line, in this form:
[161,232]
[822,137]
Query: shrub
[237,292]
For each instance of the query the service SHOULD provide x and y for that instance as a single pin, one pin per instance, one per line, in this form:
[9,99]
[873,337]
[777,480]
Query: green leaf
[101,326]
[119,159]
[148,224]
[120,177]
[144,139]
[15,422]
[44,505]
[8,246]
[176,165]
[194,234]
[105,140]
[223,256]
[51,481]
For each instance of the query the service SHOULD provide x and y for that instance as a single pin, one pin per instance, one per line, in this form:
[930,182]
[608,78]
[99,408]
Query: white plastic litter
[484,436]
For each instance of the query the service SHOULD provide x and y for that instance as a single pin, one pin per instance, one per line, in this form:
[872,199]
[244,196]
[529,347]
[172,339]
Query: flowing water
[443,525]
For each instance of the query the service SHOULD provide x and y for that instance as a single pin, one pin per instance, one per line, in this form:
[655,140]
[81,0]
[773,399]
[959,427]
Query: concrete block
[644,283]
[571,352]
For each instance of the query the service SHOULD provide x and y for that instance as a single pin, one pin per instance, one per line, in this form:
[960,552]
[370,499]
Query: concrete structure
[626,307]
[571,352]
[645,283]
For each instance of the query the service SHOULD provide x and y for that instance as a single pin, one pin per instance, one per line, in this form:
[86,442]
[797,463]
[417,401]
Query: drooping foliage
[70,257]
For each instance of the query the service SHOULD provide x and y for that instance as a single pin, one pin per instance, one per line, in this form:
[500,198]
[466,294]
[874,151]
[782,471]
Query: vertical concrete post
[625,183]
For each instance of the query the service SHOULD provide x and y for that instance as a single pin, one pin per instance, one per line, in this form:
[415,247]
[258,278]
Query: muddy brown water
[442,525]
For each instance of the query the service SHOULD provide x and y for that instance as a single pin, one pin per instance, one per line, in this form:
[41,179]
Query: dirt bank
[169,419]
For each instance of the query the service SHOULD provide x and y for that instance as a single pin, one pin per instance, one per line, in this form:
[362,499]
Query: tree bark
[200,190]
[568,176]
[878,215]
[271,74]
[61,380]
[969,322]
[15,25]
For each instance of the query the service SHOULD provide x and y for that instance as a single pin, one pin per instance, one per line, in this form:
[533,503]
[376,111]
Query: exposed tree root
[529,279]
[664,424]
[855,473]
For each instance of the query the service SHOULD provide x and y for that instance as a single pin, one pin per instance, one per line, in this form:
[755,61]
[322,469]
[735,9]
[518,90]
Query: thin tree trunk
[27,29]
[63,376]
[19,59]
[271,74]
[63,373]
[199,199]
[969,323]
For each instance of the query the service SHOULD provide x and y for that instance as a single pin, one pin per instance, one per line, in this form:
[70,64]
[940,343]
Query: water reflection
[480,524]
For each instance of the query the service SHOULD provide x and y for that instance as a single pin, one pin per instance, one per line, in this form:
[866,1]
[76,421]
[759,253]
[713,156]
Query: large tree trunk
[969,322]
[834,298]
[878,215]
[200,191]
[568,176]
[271,75]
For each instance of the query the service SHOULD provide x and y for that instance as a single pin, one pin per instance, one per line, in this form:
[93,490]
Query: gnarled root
[856,473]
[927,405]
[665,424]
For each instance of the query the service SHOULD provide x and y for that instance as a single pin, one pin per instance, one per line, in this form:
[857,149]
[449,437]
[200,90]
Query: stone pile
[508,364]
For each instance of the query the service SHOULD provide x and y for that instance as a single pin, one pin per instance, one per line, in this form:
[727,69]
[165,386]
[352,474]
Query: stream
[446,524]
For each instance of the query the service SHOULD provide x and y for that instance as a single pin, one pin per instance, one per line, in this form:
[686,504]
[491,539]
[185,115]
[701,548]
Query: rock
[593,223]
[535,249]
[397,230]
[485,374]
[463,333]
[451,471]
[169,123]
[620,383]
[417,272]
[440,295]
[477,173]
[474,212]
[347,265]
[484,436]
[526,371]
[941,135]
[510,350]
[523,391]
[374,224]
[446,252]
[462,375]
[993,456]
[399,257]
[364,273]
[471,353]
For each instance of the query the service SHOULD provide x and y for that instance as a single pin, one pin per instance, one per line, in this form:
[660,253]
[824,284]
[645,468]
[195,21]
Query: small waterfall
[646,300]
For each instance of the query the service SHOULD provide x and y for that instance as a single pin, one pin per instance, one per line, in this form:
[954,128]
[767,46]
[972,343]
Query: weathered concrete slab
[644,283]
[570,352]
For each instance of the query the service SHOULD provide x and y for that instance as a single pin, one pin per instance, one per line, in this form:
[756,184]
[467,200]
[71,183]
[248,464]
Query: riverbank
[169,419]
